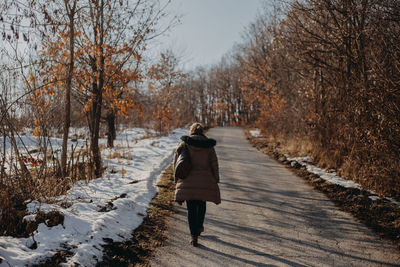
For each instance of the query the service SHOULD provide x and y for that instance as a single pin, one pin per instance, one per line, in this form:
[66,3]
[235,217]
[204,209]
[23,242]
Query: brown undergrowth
[16,192]
[149,235]
[382,216]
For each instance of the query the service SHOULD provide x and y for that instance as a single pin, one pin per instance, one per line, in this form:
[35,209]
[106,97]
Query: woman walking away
[201,184]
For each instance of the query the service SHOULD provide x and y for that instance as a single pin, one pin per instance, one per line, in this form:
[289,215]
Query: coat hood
[199,141]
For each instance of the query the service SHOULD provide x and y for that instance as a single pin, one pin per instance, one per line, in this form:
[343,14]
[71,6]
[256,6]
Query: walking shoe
[194,241]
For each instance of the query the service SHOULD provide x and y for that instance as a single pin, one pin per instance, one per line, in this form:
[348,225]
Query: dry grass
[114,155]
[16,191]
[119,156]
[12,212]
[377,172]
[292,146]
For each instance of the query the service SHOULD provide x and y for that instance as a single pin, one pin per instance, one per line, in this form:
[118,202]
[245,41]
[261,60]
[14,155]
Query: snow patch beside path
[327,175]
[255,133]
[330,176]
[110,207]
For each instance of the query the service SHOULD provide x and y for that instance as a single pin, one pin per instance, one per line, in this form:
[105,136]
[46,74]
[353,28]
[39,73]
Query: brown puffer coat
[202,181]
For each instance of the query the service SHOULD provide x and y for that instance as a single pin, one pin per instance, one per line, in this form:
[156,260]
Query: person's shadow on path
[250,251]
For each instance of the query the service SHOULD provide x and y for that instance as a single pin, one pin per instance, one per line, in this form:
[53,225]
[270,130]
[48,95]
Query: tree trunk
[111,135]
[3,162]
[94,142]
[68,86]
[98,94]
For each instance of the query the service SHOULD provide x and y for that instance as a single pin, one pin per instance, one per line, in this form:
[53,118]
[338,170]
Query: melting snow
[328,175]
[129,184]
[324,174]
[255,133]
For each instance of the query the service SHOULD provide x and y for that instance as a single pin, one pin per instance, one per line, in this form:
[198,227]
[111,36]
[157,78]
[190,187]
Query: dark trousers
[196,212]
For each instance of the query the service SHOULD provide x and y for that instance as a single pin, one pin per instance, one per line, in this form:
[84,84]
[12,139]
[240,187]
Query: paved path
[270,217]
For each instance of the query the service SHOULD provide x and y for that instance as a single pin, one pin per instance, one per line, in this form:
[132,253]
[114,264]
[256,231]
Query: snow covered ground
[105,208]
[26,142]
[255,132]
[328,175]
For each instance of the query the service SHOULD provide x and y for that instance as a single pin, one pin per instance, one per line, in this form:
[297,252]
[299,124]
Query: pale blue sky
[209,28]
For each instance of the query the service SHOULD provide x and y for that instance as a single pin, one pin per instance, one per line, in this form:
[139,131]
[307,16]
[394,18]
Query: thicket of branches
[68,63]
[322,73]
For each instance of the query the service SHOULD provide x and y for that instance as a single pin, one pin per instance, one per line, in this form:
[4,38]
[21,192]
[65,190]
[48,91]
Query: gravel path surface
[270,217]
